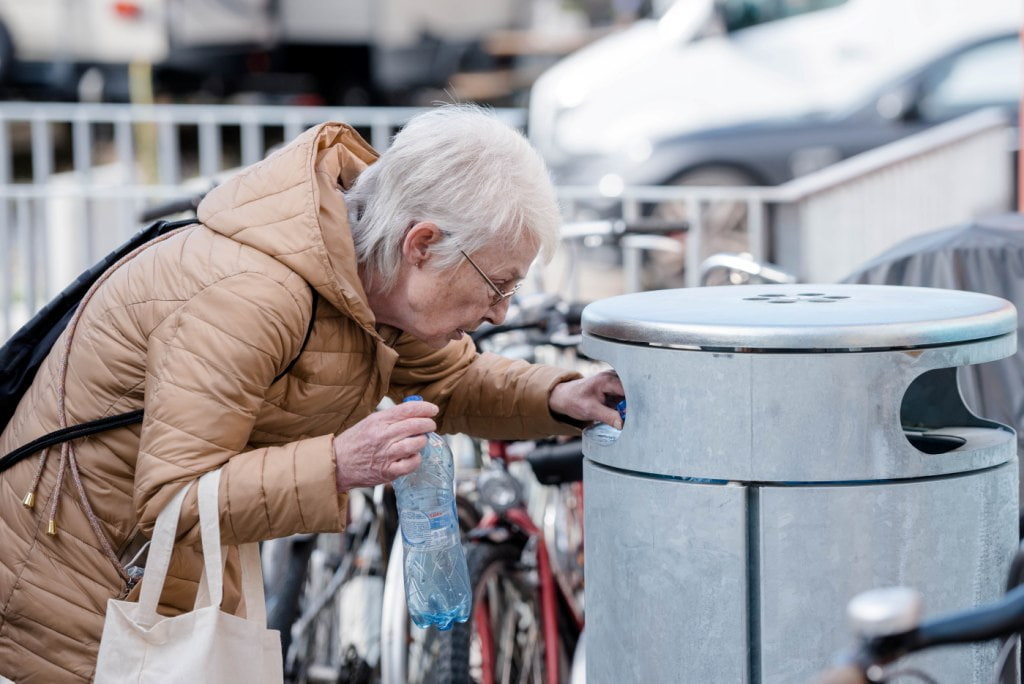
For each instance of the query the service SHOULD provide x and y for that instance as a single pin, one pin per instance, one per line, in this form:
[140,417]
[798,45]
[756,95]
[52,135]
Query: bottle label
[431,529]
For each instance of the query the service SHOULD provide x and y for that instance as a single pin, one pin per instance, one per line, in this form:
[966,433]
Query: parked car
[649,82]
[772,150]
[77,49]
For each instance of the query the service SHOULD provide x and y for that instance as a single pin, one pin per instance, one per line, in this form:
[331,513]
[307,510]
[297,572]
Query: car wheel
[724,225]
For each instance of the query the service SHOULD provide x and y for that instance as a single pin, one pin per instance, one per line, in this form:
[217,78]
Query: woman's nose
[496,314]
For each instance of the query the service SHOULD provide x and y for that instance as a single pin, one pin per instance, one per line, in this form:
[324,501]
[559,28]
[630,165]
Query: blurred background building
[335,52]
[109,107]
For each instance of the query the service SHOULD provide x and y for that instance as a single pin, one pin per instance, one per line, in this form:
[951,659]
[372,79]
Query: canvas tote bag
[205,645]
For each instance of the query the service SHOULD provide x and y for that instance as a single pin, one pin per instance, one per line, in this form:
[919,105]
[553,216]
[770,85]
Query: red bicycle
[527,585]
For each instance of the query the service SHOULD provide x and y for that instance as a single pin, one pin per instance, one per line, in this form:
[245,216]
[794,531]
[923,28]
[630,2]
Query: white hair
[460,167]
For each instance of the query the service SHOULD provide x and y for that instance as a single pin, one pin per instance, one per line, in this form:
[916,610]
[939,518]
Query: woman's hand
[384,445]
[589,399]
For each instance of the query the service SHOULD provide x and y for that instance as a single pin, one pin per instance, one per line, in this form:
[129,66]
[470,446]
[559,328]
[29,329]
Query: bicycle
[527,612]
[889,628]
[326,593]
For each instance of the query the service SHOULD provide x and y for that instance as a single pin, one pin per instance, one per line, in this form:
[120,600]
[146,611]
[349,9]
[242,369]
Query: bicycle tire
[326,651]
[508,597]
[410,653]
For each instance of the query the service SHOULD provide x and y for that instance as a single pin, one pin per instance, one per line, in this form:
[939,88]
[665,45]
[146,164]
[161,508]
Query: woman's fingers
[408,409]
[408,427]
[589,398]
[384,445]
[407,447]
[403,466]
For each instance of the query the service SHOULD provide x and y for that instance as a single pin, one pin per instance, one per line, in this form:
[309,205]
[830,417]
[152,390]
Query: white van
[298,46]
[52,44]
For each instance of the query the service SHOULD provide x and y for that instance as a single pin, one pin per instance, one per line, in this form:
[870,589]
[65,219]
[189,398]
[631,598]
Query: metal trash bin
[785,448]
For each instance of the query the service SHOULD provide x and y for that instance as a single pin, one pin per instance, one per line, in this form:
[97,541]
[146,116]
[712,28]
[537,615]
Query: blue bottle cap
[412,397]
[621,408]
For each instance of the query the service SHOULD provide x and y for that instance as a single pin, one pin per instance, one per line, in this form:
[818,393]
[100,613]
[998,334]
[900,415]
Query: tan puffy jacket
[195,329]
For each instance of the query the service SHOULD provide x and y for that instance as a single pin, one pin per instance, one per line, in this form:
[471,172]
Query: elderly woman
[261,340]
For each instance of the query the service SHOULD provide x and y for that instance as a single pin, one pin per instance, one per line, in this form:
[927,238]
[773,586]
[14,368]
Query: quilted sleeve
[208,368]
[484,395]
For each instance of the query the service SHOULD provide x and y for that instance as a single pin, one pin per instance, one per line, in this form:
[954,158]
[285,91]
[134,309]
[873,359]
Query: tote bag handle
[212,589]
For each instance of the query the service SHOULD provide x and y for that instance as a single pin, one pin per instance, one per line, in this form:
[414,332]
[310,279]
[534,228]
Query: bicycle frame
[515,521]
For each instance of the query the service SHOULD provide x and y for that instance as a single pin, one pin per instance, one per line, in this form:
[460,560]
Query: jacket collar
[291,207]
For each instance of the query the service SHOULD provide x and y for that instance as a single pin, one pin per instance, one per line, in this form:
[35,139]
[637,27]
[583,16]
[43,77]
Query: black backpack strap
[69,433]
[122,419]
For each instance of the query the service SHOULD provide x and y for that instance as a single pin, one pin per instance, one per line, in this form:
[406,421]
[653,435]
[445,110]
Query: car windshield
[944,86]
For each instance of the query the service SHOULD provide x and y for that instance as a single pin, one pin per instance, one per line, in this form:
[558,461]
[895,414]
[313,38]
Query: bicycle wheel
[336,636]
[409,654]
[336,639]
[503,640]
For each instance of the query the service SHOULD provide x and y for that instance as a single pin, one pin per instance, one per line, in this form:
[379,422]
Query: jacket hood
[291,207]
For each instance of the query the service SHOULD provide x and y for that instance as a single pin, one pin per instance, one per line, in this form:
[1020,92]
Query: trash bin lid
[843,317]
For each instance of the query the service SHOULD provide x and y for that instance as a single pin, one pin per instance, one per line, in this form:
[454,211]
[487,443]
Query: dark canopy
[983,256]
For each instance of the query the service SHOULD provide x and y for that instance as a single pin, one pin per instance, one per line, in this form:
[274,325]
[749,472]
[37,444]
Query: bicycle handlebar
[490,331]
[616,228]
[990,621]
[547,319]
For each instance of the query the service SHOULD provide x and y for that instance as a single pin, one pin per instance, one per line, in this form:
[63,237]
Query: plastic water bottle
[602,433]
[437,588]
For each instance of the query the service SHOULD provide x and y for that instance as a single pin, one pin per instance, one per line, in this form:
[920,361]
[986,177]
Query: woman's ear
[417,242]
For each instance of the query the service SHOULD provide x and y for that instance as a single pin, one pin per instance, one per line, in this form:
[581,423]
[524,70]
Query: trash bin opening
[933,411]
[934,443]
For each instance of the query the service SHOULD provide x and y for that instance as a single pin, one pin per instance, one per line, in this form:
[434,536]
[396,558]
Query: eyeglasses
[498,297]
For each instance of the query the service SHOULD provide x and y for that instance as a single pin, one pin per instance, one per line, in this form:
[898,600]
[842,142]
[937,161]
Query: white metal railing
[53,224]
[154,132]
[822,226]
[829,223]
[74,178]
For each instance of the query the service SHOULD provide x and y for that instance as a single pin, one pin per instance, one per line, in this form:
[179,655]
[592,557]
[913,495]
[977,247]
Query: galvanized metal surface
[692,582]
[795,417]
[790,473]
[800,317]
[666,580]
[950,538]
[858,208]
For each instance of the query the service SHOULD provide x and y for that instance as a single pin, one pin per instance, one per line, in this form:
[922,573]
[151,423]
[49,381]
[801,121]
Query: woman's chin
[438,342]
